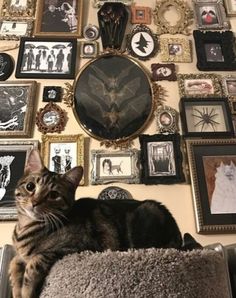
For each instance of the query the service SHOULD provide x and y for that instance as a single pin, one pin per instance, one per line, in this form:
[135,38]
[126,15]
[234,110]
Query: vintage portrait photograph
[208,14]
[214,52]
[175,49]
[59,18]
[48,58]
[15,29]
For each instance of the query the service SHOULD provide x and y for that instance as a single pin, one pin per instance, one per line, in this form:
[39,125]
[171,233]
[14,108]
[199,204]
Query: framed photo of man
[59,18]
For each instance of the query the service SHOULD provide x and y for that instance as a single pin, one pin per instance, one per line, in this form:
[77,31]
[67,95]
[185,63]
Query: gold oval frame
[126,140]
[181,26]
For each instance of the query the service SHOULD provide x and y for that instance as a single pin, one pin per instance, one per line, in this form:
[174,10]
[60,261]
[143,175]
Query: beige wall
[178,198]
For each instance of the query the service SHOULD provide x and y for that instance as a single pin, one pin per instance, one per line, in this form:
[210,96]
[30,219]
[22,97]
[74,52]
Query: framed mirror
[172,16]
[113,99]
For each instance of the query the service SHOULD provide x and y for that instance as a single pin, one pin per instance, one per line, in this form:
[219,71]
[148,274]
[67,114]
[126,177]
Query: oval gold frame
[163,26]
[126,140]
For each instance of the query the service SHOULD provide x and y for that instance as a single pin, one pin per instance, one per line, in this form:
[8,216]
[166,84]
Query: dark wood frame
[159,76]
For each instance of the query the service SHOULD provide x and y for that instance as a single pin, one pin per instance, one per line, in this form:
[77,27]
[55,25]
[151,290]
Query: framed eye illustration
[51,118]
[113,99]
[142,43]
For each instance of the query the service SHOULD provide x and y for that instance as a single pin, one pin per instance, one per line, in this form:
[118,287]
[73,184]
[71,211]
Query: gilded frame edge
[230,12]
[147,15]
[28,121]
[98,3]
[29,30]
[77,138]
[173,126]
[28,12]
[10,213]
[38,21]
[186,56]
[198,210]
[134,155]
[215,82]
[95,45]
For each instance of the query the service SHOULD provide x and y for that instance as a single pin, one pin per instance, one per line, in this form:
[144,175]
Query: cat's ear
[74,175]
[34,162]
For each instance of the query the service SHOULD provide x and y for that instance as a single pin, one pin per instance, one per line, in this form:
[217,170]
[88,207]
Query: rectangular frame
[215,50]
[218,16]
[201,116]
[183,48]
[14,154]
[118,166]
[7,252]
[68,152]
[63,67]
[98,3]
[88,49]
[19,10]
[207,161]
[17,108]
[9,27]
[69,20]
[229,90]
[161,159]
[199,85]
[230,8]
[140,14]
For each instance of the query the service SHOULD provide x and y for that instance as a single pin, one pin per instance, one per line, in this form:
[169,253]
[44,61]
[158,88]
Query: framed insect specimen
[212,165]
[51,118]
[161,159]
[59,18]
[63,152]
[47,58]
[88,49]
[230,7]
[163,71]
[215,50]
[18,8]
[142,43]
[14,29]
[209,117]
[175,50]
[166,119]
[199,85]
[117,166]
[181,18]
[17,108]
[210,15]
[113,99]
[140,15]
[13,155]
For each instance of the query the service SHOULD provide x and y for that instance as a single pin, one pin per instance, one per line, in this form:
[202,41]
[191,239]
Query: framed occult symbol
[163,71]
[161,159]
[212,166]
[13,156]
[48,58]
[59,18]
[17,108]
[215,50]
[142,43]
[118,166]
[209,117]
[113,99]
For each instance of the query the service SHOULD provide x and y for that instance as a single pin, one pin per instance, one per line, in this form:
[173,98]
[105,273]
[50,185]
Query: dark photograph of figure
[59,16]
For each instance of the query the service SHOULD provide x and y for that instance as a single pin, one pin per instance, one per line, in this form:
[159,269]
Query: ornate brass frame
[171,115]
[29,23]
[7,10]
[200,77]
[186,54]
[231,95]
[57,120]
[182,8]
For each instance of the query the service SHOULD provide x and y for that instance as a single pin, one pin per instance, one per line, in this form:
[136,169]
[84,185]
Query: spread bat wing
[97,86]
[128,91]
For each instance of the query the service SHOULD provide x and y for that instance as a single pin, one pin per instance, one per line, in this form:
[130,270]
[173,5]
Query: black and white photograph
[13,155]
[47,58]
[88,49]
[214,52]
[59,18]
[15,29]
[16,111]
[175,49]
[52,93]
[18,8]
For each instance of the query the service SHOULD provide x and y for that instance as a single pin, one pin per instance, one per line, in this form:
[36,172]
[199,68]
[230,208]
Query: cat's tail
[189,243]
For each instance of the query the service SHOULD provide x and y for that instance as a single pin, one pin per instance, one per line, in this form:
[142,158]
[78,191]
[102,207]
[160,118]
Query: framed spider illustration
[209,117]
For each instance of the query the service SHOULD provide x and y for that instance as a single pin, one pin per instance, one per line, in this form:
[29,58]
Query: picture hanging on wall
[18,8]
[14,29]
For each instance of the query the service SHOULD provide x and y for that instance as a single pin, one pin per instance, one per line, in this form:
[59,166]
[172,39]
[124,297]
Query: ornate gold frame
[231,96]
[7,10]
[171,113]
[47,140]
[29,29]
[217,90]
[185,56]
[163,26]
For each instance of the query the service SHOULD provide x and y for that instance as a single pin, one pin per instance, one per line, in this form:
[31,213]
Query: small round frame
[183,20]
[166,118]
[51,118]
[91,32]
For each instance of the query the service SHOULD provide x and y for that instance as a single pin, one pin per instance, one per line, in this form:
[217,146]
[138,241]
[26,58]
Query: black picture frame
[206,117]
[52,93]
[50,64]
[213,175]
[13,155]
[161,159]
[215,50]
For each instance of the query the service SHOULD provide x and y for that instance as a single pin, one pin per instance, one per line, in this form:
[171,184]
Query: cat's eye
[53,195]
[30,186]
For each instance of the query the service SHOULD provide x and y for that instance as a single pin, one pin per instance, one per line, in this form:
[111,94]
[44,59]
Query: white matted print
[115,166]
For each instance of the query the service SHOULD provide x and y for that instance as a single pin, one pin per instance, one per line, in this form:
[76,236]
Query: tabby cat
[51,224]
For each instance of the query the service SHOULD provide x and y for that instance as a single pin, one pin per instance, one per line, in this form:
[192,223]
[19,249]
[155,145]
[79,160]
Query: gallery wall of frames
[142,95]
